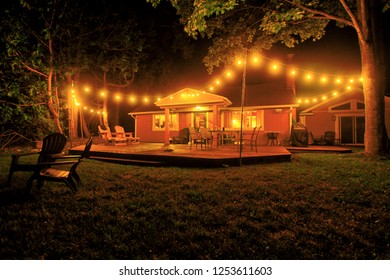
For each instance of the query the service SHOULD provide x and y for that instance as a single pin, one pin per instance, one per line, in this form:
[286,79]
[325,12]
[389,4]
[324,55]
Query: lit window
[250,120]
[159,122]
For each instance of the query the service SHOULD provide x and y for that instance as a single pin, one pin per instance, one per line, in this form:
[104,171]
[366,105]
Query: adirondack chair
[128,136]
[52,146]
[56,172]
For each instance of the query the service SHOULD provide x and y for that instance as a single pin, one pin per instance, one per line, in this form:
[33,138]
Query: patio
[160,154]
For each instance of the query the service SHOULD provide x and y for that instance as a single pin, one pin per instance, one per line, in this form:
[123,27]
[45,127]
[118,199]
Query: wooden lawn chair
[55,171]
[120,133]
[52,147]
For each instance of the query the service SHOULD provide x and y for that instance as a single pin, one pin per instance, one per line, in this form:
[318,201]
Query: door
[200,120]
[352,129]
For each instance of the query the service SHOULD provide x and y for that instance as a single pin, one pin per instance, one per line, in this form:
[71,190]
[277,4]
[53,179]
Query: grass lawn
[319,206]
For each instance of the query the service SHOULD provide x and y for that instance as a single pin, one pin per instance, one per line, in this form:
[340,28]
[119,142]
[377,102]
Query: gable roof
[339,98]
[272,94]
[189,97]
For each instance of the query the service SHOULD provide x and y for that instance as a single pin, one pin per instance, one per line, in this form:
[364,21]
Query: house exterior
[343,114]
[271,106]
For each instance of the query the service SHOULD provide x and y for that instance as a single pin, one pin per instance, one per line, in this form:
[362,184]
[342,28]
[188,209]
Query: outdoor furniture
[329,137]
[316,140]
[272,138]
[52,146]
[52,171]
[196,138]
[105,134]
[207,137]
[253,138]
[183,137]
[127,136]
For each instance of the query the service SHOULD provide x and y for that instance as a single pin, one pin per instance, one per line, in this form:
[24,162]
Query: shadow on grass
[11,196]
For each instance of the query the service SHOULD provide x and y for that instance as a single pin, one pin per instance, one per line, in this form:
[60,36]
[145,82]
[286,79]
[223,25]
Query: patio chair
[52,146]
[316,140]
[55,172]
[207,136]
[128,136]
[253,138]
[196,138]
[183,137]
[329,137]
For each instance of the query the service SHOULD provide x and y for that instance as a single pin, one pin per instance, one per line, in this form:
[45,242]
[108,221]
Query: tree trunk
[105,105]
[52,110]
[373,74]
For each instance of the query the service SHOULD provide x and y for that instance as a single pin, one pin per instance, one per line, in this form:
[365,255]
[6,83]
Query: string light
[274,66]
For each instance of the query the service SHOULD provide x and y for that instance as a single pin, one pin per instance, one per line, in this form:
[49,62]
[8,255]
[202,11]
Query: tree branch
[355,22]
[327,15]
[33,70]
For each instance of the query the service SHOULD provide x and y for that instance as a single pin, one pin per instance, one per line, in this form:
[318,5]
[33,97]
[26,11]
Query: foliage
[78,41]
[315,207]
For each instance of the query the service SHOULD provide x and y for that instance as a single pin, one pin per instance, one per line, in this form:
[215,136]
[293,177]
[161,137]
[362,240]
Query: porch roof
[191,97]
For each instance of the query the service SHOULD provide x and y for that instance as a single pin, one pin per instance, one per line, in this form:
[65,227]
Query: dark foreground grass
[319,206]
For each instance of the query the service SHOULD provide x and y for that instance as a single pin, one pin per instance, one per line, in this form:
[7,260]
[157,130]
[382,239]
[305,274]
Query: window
[360,106]
[159,122]
[345,106]
[250,120]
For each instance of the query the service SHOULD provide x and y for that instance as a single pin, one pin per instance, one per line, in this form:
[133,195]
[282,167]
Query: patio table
[272,138]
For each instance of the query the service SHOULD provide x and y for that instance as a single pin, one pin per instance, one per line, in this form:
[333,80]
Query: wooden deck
[159,154]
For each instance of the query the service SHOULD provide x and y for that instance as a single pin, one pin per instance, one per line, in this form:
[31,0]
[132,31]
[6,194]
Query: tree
[32,53]
[260,24]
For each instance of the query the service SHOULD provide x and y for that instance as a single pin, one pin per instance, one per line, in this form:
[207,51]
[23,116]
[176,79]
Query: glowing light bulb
[324,97]
[324,79]
[335,93]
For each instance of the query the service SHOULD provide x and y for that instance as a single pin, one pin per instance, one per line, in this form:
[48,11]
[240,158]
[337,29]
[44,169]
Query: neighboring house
[269,105]
[343,114]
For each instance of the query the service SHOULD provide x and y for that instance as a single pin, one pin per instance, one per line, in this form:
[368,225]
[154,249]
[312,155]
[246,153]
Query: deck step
[129,161]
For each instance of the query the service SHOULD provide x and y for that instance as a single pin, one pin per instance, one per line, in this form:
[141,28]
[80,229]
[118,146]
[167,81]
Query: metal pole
[243,93]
